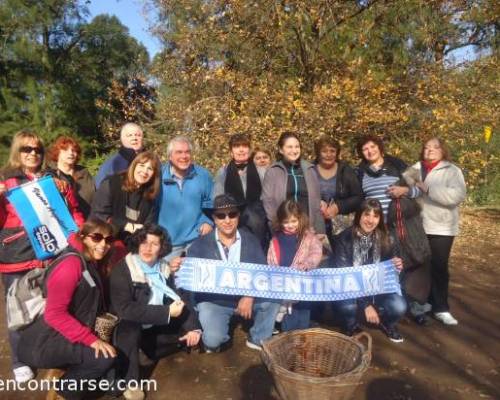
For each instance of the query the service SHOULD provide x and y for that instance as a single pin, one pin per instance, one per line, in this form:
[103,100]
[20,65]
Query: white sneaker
[446,318]
[253,346]
[23,374]
[134,394]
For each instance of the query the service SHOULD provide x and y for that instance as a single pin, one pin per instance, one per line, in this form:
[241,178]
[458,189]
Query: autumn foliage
[343,68]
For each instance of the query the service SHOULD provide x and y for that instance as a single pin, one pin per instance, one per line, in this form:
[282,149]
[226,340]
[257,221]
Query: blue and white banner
[44,214]
[324,284]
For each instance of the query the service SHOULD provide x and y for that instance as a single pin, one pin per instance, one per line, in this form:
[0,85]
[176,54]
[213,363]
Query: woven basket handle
[367,355]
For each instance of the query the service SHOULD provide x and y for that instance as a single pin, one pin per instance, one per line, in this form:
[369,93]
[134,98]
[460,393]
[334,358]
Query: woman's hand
[191,338]
[371,315]
[397,191]
[176,308]
[323,206]
[100,346]
[398,263]
[422,186]
[175,264]
[332,210]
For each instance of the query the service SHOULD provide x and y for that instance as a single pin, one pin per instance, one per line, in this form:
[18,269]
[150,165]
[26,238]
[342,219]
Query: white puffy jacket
[446,190]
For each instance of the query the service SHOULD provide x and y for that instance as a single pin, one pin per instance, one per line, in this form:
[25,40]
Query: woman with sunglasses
[153,317]
[63,337]
[128,200]
[17,256]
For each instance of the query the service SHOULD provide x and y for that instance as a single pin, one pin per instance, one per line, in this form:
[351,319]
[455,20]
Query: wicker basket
[316,363]
[104,326]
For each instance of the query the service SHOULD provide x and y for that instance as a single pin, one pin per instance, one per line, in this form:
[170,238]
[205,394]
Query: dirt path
[434,362]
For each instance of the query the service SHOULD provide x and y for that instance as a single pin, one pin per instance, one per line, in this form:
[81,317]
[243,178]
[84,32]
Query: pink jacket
[308,255]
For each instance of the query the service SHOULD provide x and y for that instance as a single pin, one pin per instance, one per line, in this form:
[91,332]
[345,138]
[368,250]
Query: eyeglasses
[29,149]
[222,215]
[98,237]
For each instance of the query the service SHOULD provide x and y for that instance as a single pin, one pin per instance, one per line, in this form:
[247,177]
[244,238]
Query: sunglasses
[222,215]
[29,149]
[98,237]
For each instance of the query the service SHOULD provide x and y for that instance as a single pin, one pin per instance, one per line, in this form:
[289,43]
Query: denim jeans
[391,308]
[300,318]
[215,318]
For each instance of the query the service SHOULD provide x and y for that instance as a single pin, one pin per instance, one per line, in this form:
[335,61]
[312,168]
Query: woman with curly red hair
[65,154]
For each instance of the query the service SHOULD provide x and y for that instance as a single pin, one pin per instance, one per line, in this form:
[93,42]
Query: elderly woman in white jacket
[443,187]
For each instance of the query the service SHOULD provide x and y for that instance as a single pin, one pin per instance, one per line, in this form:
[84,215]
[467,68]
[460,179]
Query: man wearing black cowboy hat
[231,244]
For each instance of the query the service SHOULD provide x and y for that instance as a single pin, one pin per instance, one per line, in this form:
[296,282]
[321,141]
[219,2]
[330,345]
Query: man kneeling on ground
[228,243]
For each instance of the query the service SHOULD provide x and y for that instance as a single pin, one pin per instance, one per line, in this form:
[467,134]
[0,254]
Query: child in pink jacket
[294,245]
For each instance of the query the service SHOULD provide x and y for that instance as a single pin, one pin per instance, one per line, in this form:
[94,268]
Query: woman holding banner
[16,253]
[368,242]
[128,200]
[153,317]
[64,336]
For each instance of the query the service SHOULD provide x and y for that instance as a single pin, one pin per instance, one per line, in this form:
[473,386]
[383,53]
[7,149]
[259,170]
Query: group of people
[139,218]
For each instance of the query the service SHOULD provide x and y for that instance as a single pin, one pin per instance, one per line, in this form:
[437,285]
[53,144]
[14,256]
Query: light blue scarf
[157,282]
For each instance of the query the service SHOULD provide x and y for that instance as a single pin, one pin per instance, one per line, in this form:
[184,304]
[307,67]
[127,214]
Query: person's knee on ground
[215,330]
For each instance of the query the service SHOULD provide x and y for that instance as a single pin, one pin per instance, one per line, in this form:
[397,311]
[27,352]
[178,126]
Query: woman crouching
[64,338]
[367,242]
[153,317]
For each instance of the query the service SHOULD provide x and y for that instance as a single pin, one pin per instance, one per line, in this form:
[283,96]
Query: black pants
[90,368]
[156,342]
[254,218]
[440,277]
[14,336]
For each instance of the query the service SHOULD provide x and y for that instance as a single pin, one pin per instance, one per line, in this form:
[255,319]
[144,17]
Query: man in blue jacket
[186,189]
[215,311]
[131,138]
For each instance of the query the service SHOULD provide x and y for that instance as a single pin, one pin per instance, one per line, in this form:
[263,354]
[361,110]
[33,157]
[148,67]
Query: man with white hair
[131,137]
[186,189]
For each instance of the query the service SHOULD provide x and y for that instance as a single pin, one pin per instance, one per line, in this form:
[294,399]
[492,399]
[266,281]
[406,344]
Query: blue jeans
[214,319]
[300,317]
[391,308]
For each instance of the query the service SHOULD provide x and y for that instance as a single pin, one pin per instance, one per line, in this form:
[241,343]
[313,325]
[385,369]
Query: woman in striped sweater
[379,173]
[381,178]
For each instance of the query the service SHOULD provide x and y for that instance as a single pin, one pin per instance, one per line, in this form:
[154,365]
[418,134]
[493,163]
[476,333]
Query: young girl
[294,245]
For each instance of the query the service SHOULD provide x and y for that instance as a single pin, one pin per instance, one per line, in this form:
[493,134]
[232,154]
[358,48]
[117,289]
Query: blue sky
[131,14]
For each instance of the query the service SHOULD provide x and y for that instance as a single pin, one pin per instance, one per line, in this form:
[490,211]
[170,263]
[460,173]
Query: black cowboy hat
[222,202]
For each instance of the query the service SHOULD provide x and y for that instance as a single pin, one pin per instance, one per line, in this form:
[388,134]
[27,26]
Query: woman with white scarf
[153,317]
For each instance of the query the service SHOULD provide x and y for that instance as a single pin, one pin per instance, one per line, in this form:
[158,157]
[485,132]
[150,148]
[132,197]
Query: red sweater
[61,285]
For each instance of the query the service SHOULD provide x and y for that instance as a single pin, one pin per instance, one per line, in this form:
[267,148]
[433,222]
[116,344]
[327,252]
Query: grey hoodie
[274,192]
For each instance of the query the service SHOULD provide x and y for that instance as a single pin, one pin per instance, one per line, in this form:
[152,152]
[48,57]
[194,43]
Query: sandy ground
[434,362]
